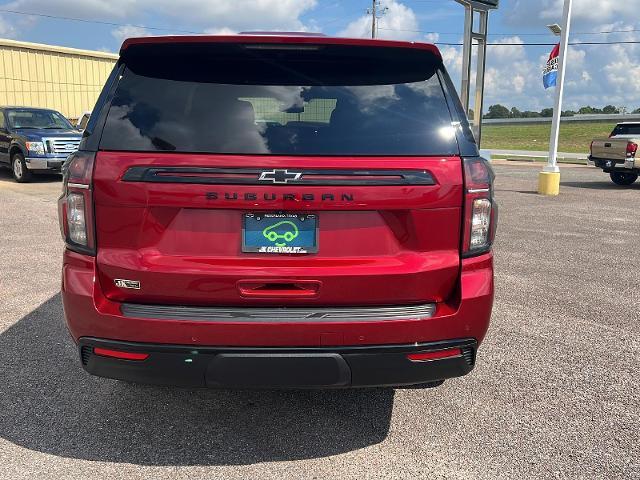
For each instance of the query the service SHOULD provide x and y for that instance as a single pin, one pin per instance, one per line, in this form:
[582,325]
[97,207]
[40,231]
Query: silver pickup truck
[616,155]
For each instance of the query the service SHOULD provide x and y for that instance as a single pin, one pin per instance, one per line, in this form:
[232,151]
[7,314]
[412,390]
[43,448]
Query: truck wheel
[623,178]
[19,168]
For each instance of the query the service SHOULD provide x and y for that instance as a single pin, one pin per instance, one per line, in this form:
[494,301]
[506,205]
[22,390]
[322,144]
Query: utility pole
[376,11]
[374,4]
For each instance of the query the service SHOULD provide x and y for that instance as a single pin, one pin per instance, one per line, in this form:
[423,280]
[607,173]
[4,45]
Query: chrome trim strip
[78,185]
[478,190]
[60,144]
[258,176]
[278,315]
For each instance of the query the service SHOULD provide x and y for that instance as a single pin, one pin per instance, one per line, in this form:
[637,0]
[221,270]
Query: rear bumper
[89,313]
[336,367]
[373,349]
[609,165]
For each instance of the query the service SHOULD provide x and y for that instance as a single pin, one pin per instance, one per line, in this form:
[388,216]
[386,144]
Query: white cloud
[127,31]
[7,30]
[236,14]
[220,31]
[399,22]
[596,74]
[592,10]
[90,9]
[432,37]
[509,75]
[231,14]
[623,75]
[525,12]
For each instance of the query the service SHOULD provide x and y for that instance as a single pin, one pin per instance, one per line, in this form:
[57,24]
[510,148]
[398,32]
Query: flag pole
[549,179]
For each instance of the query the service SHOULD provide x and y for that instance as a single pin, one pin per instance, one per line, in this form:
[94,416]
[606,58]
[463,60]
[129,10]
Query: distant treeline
[500,111]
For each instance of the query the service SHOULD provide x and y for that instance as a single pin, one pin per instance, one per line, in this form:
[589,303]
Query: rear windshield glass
[283,103]
[629,129]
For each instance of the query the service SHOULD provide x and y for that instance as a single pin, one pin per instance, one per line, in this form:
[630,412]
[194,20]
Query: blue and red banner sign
[550,73]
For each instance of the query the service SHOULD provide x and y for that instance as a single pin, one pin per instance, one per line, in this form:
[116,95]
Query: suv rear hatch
[240,172]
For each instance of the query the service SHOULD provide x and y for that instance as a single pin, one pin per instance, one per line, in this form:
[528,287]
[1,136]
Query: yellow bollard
[549,183]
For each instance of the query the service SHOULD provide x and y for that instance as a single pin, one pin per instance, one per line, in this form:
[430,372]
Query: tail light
[480,209]
[632,149]
[75,205]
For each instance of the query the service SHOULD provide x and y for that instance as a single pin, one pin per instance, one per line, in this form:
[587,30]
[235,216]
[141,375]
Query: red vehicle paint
[355,154]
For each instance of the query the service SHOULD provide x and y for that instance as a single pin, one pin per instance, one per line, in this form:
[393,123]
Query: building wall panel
[67,80]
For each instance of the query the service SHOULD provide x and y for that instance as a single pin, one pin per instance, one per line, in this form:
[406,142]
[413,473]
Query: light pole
[549,178]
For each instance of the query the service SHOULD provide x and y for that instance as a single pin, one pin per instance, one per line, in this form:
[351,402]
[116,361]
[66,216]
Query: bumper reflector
[105,352]
[437,355]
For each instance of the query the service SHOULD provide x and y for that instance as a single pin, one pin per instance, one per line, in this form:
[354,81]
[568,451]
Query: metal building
[65,79]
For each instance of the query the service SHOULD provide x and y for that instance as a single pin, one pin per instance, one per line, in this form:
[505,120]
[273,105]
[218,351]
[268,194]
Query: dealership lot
[554,394]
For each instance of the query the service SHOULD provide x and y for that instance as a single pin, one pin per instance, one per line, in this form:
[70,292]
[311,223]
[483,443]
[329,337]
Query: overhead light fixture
[555,29]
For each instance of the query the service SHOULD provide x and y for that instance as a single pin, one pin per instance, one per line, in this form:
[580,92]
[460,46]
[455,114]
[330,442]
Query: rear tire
[21,173]
[623,178]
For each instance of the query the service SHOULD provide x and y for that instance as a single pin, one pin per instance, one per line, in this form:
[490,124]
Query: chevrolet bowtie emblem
[280,176]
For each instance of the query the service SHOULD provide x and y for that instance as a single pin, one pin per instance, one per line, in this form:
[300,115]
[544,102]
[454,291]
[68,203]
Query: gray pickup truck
[35,140]
[616,155]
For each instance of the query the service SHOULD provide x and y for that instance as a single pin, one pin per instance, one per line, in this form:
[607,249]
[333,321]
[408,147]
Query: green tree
[515,113]
[585,110]
[637,110]
[610,109]
[546,112]
[498,111]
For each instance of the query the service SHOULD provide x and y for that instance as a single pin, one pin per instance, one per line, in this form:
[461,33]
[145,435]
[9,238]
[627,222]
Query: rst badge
[131,284]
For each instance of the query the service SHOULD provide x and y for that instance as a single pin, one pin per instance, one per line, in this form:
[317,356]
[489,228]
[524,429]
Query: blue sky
[597,75]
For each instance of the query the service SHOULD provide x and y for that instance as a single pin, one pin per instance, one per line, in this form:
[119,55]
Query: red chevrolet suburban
[278,211]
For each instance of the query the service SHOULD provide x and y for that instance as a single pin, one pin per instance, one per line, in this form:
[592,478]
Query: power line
[100,22]
[171,29]
[605,32]
[633,42]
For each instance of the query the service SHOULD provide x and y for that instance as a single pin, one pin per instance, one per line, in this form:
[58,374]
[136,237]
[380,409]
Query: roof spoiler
[277,38]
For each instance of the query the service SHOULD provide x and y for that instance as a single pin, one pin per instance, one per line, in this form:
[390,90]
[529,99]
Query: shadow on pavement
[600,185]
[49,404]
[6,176]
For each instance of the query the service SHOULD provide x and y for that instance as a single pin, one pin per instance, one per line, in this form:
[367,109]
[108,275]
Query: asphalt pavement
[554,394]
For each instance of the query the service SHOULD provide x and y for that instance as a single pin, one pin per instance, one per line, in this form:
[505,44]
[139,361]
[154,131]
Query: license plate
[292,233]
